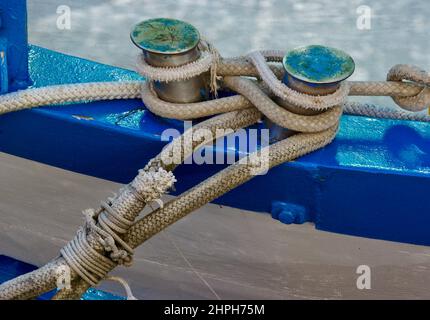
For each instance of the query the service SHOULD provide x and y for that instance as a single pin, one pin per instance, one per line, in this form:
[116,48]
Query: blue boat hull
[372,181]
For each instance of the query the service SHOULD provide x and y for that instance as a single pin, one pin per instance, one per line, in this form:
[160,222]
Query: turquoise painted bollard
[314,70]
[171,43]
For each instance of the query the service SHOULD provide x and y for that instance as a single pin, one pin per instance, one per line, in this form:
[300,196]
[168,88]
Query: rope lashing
[45,278]
[106,226]
[83,259]
[67,93]
[373,111]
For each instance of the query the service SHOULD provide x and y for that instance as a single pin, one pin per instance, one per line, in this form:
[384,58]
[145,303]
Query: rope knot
[103,229]
[122,257]
[101,226]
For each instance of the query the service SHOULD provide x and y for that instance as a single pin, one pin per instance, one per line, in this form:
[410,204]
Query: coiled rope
[111,233]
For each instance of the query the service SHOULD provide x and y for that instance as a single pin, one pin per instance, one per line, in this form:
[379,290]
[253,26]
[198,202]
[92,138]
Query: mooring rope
[192,69]
[111,233]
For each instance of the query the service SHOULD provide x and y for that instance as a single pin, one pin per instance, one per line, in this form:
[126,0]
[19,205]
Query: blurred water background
[399,30]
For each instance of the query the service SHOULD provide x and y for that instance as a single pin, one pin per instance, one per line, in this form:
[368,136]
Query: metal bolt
[314,70]
[170,43]
[289,213]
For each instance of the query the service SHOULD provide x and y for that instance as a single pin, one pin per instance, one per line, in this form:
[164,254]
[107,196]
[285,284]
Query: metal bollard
[171,43]
[314,70]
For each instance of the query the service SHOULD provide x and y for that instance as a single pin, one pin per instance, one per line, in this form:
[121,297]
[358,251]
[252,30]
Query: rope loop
[255,94]
[403,72]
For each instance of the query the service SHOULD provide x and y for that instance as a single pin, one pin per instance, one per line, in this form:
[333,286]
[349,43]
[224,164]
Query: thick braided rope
[258,98]
[92,91]
[384,88]
[322,124]
[242,66]
[373,111]
[230,121]
[108,225]
[258,59]
[132,89]
[323,127]
[44,279]
[221,183]
[224,181]
[218,127]
[167,74]
[413,93]
[403,72]
[191,111]
[247,66]
[89,264]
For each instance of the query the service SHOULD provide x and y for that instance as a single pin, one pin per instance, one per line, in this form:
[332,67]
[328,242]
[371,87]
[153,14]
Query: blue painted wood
[372,181]
[13,45]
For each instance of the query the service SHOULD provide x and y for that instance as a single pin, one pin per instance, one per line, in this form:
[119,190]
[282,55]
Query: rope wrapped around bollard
[111,233]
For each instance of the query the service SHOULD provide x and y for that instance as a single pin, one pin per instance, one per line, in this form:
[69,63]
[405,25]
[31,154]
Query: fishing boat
[310,228]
